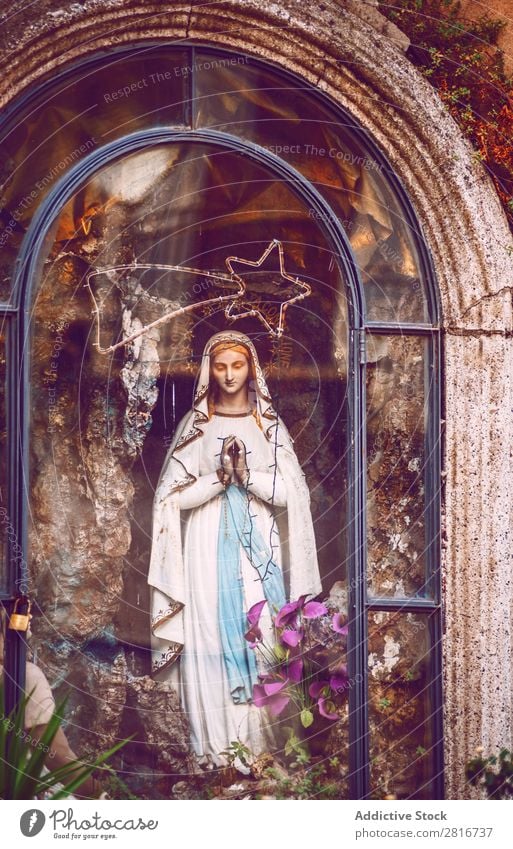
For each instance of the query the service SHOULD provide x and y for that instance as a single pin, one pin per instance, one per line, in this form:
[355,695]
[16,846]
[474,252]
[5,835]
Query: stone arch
[363,70]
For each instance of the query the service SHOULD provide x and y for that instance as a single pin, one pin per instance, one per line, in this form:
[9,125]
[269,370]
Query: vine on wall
[461,59]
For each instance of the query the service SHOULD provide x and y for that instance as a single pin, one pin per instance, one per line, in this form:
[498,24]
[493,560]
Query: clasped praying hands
[234,467]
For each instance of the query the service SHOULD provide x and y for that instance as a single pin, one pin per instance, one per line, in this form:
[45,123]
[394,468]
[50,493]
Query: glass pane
[102,425]
[259,105]
[398,376]
[4,515]
[83,111]
[400,708]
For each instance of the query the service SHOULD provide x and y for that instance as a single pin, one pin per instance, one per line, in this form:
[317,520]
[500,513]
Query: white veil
[181,468]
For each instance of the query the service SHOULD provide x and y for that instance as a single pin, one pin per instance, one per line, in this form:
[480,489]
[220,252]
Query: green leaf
[306,718]
[280,652]
[22,762]
[34,758]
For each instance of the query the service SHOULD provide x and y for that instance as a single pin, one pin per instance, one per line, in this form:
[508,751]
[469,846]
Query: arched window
[168,156]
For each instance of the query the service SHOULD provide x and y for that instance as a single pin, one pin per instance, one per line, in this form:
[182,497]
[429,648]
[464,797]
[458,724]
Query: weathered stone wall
[352,55]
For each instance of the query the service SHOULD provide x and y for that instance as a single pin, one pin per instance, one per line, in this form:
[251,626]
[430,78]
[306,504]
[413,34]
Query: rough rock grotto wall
[348,51]
[83,446]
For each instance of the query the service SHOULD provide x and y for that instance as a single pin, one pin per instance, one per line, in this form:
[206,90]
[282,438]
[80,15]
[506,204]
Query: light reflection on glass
[400,708]
[397,404]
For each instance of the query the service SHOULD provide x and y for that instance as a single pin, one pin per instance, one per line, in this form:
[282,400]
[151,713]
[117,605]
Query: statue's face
[230,370]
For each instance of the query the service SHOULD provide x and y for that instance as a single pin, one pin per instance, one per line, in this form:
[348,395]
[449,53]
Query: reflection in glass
[101,425]
[86,110]
[397,398]
[400,708]
[265,108]
[151,88]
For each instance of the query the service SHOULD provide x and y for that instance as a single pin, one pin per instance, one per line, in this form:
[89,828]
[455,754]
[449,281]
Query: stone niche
[100,429]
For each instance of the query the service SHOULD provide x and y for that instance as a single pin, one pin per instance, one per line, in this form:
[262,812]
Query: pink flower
[287,614]
[319,689]
[327,709]
[339,679]
[269,695]
[294,670]
[254,635]
[292,636]
[314,609]
[339,625]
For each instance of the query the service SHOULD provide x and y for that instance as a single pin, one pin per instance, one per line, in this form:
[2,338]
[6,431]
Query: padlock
[20,621]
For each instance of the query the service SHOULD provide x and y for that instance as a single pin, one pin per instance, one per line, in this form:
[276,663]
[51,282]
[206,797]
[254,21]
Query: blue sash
[236,528]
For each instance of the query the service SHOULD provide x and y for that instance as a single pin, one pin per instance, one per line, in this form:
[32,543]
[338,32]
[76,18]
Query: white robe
[214,719]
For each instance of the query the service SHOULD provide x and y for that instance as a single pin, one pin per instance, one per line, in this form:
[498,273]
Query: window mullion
[357,656]
[15,646]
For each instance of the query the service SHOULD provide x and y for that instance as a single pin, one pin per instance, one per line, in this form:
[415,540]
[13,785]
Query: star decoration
[266,297]
[205,286]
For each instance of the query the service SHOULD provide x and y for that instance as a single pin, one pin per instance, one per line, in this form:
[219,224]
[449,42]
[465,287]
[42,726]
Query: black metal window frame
[16,318]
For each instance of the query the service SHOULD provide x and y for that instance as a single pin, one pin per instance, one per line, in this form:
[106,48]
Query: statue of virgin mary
[231,527]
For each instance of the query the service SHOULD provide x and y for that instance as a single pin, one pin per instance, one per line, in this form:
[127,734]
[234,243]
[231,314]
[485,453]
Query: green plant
[493,774]
[307,782]
[23,772]
[237,751]
[114,786]
[460,58]
[294,746]
[304,778]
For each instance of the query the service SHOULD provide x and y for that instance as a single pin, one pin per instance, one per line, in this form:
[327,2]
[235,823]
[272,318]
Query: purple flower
[275,701]
[294,670]
[339,625]
[339,679]
[289,676]
[255,612]
[292,636]
[319,689]
[314,609]
[272,686]
[287,614]
[254,635]
[327,709]
[270,693]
